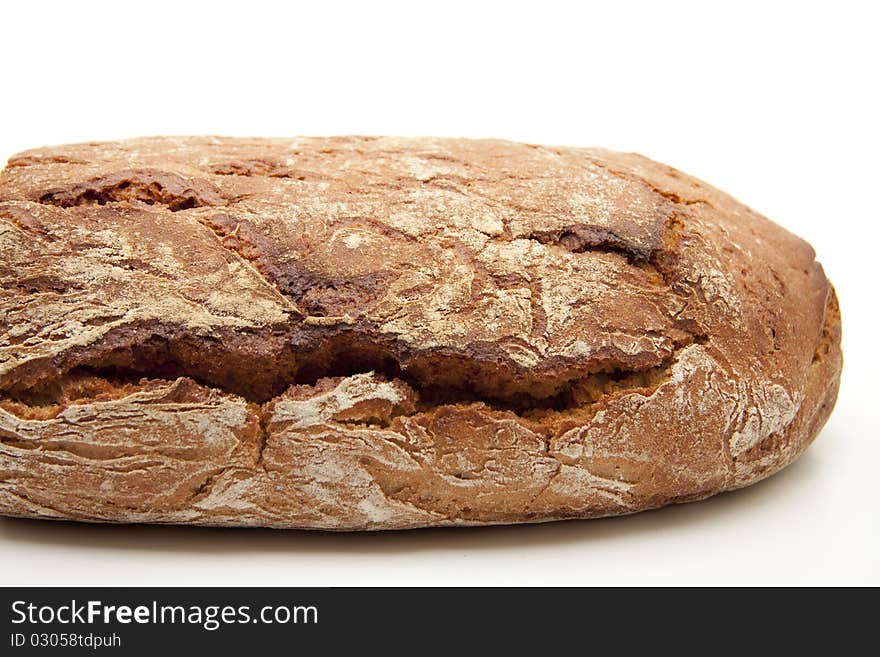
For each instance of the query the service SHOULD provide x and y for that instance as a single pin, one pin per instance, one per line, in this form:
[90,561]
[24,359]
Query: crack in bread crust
[302,353]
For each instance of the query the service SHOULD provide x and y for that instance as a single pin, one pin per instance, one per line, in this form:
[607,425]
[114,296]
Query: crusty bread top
[532,279]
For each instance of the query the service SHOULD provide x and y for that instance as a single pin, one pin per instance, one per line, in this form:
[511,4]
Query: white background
[774,103]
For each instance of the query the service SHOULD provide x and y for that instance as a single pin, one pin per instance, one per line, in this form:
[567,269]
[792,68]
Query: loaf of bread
[373,333]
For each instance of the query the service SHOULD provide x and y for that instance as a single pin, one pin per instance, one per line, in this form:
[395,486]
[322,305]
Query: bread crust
[378,333]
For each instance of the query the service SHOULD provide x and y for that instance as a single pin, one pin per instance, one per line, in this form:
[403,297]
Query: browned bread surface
[368,333]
